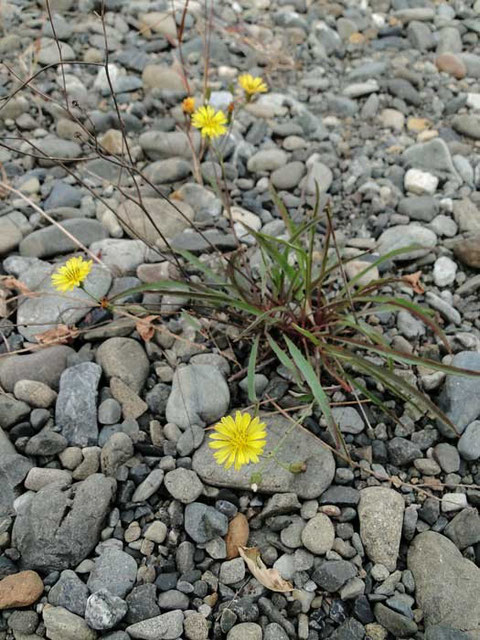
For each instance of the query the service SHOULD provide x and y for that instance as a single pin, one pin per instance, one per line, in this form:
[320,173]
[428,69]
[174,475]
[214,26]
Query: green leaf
[285,360]
[319,394]
[252,362]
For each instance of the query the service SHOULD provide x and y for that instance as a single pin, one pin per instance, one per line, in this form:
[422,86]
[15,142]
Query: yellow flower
[252,85]
[188,105]
[72,274]
[238,440]
[210,122]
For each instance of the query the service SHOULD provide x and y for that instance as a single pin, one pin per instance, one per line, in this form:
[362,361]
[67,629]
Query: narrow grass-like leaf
[285,360]
[252,363]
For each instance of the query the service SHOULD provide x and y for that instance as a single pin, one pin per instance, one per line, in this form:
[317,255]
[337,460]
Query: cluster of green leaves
[298,305]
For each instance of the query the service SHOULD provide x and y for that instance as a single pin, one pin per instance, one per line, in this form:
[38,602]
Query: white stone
[454,502]
[420,182]
[473,100]
[392,119]
[444,271]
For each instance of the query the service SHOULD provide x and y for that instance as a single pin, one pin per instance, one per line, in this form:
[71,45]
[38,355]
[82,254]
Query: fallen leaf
[12,283]
[270,578]
[413,279]
[237,535]
[145,327]
[58,335]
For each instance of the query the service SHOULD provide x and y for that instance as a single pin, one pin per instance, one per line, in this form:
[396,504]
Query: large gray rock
[13,470]
[39,313]
[76,408]
[447,584]
[45,365]
[51,241]
[460,397]
[199,395]
[124,358]
[381,519]
[433,156]
[299,446]
[404,236]
[61,624]
[57,527]
[69,592]
[160,145]
[162,221]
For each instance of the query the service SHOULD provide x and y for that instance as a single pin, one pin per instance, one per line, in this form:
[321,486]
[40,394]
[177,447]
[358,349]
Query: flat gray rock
[381,519]
[433,156]
[45,365]
[51,241]
[447,584]
[167,626]
[56,528]
[76,408]
[460,397]
[299,446]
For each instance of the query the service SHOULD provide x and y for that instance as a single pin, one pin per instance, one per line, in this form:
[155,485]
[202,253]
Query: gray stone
[10,236]
[469,443]
[319,175]
[232,571]
[109,411]
[120,255]
[420,36]
[36,394]
[51,240]
[76,407]
[195,627]
[450,41]
[318,534]
[401,451]
[12,411]
[23,622]
[39,477]
[464,529]
[104,610]
[405,90]
[403,236]
[466,215]
[447,584]
[173,599]
[423,208]
[183,485]
[199,396]
[245,631]
[441,632]
[399,625]
[124,358]
[203,523]
[116,451]
[163,219]
[70,593]
[13,470]
[149,486]
[142,603]
[115,571]
[300,445]
[45,365]
[333,574]
[467,125]
[348,420]
[460,397]
[49,54]
[433,156]
[381,519]
[46,443]
[190,440]
[64,625]
[160,145]
[37,314]
[167,626]
[447,457]
[166,171]
[472,63]
[57,528]
[267,160]
[289,176]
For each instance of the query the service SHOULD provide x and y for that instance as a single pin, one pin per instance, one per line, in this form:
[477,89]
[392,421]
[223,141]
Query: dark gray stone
[76,408]
[401,451]
[12,411]
[115,571]
[13,471]
[400,626]
[423,208]
[440,632]
[333,574]
[57,527]
[464,529]
[142,603]
[460,397]
[203,523]
[70,593]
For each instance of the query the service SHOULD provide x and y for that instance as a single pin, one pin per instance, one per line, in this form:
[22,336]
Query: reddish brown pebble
[20,590]
[452,64]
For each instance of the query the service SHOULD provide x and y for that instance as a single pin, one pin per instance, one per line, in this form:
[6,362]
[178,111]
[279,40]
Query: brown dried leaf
[270,578]
[145,327]
[413,279]
[12,283]
[59,335]
[237,535]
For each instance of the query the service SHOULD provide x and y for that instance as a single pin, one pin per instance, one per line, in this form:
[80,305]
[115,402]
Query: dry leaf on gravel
[237,535]
[413,279]
[145,327]
[61,334]
[12,283]
[270,578]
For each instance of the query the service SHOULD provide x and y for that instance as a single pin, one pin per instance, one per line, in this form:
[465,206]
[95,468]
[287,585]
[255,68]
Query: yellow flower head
[210,122]
[72,274]
[188,105]
[238,440]
[252,85]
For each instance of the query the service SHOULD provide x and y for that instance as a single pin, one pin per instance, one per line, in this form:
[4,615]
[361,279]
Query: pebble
[64,625]
[167,625]
[318,534]
[444,271]
[20,589]
[184,485]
